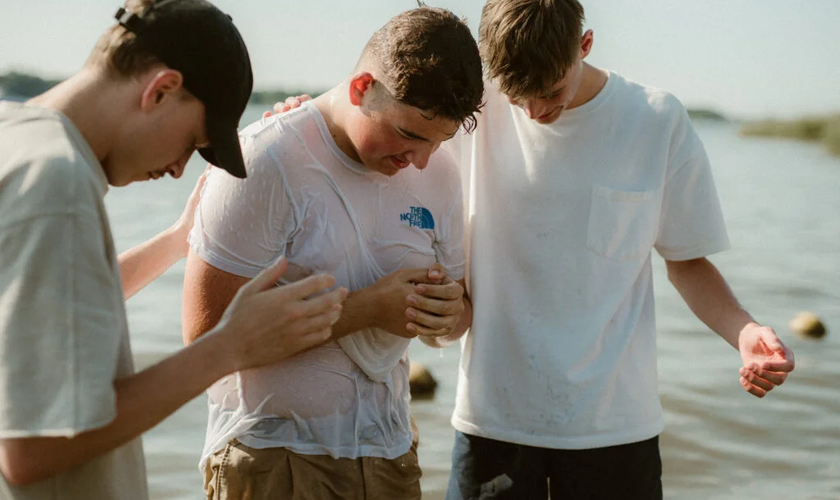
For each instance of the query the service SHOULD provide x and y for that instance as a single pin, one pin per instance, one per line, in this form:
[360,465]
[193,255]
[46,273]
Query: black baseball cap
[200,41]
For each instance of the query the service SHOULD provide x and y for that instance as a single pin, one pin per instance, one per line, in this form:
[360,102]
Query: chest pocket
[622,224]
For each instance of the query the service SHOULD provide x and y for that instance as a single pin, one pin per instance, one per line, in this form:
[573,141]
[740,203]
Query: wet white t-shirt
[306,200]
[562,349]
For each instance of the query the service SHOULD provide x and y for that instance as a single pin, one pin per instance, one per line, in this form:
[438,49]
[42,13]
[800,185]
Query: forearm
[143,401]
[143,263]
[709,297]
[357,313]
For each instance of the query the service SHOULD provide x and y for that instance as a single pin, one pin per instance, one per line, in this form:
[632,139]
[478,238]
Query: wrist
[177,235]
[218,357]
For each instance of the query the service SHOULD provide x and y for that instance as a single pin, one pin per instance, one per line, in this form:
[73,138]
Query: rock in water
[808,325]
[421,382]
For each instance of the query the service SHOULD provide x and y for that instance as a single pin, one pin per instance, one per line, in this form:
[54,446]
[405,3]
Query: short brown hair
[528,45]
[430,61]
[120,52]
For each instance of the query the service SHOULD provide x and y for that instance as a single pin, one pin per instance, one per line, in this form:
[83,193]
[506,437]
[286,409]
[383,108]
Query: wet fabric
[306,200]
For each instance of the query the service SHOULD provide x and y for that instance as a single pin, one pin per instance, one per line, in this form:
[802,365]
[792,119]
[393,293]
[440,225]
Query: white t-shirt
[63,331]
[561,353]
[306,200]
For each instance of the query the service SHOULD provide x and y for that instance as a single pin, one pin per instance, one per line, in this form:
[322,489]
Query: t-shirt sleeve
[60,329]
[691,225]
[242,225]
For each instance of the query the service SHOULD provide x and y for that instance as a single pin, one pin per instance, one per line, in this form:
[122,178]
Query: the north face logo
[419,217]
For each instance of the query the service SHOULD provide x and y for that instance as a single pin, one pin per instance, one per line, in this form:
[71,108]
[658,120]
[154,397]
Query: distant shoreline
[17,86]
[824,130]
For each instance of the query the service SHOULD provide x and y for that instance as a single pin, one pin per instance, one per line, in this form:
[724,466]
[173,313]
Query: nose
[533,109]
[176,170]
[419,157]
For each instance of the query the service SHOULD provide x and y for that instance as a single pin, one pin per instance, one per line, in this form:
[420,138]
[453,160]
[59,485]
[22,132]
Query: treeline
[22,85]
[825,130]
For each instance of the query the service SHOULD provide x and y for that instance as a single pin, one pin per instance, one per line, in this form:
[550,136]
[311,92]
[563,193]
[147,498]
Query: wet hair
[430,60]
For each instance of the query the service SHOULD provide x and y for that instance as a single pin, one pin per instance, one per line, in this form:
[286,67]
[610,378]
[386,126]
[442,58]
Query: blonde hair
[119,52]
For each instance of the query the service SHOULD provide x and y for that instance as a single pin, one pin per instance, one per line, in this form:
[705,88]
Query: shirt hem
[559,443]
[695,253]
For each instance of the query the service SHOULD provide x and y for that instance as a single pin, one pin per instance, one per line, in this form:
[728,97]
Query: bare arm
[767,361]
[142,264]
[263,324]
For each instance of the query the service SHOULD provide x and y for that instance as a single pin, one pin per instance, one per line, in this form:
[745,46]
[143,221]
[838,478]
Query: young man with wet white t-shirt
[329,187]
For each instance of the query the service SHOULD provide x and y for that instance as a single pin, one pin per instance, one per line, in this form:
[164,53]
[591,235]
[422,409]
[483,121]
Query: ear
[163,84]
[586,44]
[360,84]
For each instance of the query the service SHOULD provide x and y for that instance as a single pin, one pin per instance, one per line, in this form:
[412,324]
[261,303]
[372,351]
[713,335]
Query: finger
[439,307]
[306,287]
[313,324]
[778,366]
[449,291]
[415,275]
[292,102]
[436,272]
[427,332]
[313,339]
[755,391]
[304,97]
[323,303]
[280,107]
[777,378]
[267,114]
[432,321]
[755,380]
[267,278]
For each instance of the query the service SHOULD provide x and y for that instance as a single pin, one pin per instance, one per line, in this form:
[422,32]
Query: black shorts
[486,469]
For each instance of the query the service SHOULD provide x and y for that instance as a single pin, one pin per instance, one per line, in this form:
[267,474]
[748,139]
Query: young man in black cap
[71,408]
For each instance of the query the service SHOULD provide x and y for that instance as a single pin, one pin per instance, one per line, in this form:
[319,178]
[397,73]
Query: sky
[745,58]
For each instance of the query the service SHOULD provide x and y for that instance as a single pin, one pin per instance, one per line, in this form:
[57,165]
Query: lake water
[781,203]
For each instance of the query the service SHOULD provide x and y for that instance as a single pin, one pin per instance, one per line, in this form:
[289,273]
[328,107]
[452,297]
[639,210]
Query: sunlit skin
[380,132]
[161,138]
[579,85]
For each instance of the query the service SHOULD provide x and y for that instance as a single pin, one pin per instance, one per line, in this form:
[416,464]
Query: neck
[92,104]
[592,81]
[335,108]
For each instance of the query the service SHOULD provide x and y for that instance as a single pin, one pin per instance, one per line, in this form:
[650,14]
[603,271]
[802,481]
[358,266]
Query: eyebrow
[551,93]
[412,135]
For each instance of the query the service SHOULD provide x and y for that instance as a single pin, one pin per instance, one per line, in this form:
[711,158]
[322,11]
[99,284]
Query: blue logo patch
[419,217]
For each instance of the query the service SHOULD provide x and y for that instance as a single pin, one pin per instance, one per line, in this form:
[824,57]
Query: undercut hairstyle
[430,60]
[528,45]
[119,52]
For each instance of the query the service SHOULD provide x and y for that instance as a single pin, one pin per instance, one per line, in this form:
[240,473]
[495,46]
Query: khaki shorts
[243,473]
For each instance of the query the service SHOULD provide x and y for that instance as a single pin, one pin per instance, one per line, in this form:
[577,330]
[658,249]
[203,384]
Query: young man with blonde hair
[330,186]
[173,76]
[557,391]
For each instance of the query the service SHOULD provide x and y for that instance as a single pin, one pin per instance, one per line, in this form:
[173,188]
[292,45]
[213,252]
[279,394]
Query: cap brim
[224,151]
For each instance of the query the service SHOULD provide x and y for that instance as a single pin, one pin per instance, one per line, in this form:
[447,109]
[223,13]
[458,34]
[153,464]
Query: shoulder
[649,100]
[278,141]
[42,167]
